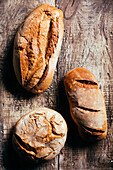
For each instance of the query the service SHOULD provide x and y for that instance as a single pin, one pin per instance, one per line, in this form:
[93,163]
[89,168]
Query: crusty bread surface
[87,105]
[36,48]
[40,134]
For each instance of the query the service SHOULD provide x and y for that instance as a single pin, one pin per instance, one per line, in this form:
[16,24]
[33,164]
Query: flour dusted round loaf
[36,48]
[87,105]
[40,134]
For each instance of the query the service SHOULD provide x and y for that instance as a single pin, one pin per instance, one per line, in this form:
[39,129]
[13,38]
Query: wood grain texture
[88,42]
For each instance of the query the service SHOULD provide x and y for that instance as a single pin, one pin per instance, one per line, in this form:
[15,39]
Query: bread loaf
[87,105]
[36,48]
[40,134]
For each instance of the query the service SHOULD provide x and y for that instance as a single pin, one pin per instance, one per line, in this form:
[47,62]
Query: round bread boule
[40,134]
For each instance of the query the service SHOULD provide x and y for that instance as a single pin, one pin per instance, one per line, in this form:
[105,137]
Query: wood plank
[88,42]
[15,101]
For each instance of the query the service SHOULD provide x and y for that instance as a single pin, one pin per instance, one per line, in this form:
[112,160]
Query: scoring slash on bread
[36,48]
[40,134]
[87,105]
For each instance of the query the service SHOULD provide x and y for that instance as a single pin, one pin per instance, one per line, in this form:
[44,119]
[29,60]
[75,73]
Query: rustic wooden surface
[88,42]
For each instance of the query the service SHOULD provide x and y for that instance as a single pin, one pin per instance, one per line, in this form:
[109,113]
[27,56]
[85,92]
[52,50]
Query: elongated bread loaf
[36,48]
[40,134]
[87,105]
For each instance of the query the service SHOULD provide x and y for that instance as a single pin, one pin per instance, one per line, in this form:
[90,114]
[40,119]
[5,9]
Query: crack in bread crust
[87,82]
[51,45]
[87,109]
[92,130]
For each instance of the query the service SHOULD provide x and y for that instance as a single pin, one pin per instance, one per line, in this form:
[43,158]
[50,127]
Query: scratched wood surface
[88,42]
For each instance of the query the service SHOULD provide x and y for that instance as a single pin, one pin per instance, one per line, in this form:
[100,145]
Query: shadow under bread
[8,76]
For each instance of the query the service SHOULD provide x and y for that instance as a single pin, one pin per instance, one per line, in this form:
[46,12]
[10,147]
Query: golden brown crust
[37,46]
[40,134]
[87,105]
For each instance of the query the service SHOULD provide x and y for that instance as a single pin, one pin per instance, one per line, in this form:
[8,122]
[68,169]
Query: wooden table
[87,42]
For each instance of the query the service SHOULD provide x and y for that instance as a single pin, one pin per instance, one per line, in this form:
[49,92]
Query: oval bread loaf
[40,134]
[36,48]
[87,105]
